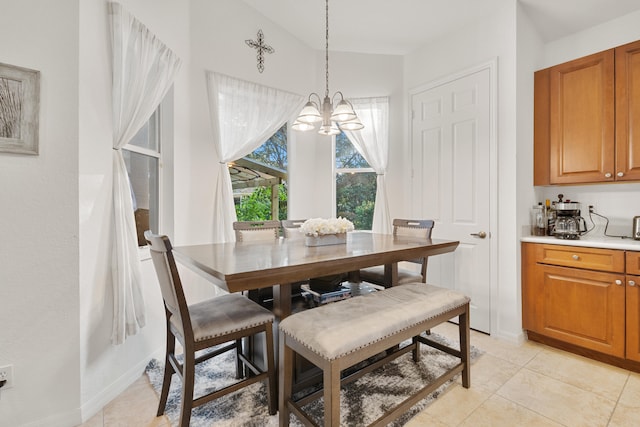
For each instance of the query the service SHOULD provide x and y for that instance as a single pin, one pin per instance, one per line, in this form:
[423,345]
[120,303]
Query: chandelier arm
[319,103]
[333,99]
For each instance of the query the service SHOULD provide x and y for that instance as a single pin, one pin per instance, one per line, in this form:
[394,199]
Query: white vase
[325,239]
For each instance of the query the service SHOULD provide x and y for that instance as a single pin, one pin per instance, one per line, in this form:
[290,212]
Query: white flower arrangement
[319,226]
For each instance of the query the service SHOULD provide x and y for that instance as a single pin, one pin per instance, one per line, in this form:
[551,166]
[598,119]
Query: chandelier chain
[326,57]
[343,117]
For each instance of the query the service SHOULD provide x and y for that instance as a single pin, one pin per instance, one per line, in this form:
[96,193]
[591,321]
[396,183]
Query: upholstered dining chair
[247,231]
[418,228]
[220,322]
[291,228]
[258,231]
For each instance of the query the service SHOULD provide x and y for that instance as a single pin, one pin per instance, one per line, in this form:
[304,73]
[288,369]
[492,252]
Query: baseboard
[113,390]
[585,352]
[100,400]
[58,420]
[517,338]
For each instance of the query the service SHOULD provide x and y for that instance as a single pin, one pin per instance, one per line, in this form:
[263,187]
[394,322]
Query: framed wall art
[19,109]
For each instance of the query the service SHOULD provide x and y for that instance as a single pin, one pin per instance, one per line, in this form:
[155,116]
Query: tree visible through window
[355,185]
[268,162]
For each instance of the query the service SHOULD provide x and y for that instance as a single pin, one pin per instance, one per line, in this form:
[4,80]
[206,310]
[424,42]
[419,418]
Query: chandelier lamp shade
[318,110]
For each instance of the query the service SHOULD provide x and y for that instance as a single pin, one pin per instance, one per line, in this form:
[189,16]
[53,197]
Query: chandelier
[333,121]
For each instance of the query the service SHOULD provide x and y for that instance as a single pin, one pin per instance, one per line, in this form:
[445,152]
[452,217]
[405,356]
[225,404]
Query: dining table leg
[391,274]
[282,301]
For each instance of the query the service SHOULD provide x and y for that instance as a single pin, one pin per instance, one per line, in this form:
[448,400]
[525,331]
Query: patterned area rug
[362,401]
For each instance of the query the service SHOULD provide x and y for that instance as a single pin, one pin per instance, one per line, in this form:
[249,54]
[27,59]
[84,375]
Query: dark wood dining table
[245,266]
[250,265]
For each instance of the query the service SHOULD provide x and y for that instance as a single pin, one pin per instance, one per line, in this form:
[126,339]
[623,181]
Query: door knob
[620,174]
[618,282]
[632,283]
[481,234]
[607,175]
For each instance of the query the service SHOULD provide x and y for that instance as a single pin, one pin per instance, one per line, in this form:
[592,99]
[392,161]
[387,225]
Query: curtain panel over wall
[143,71]
[243,116]
[372,143]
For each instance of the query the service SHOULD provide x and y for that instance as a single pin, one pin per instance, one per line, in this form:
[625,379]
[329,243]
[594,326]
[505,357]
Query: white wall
[39,261]
[218,33]
[106,370]
[56,289]
[492,36]
[529,50]
[619,202]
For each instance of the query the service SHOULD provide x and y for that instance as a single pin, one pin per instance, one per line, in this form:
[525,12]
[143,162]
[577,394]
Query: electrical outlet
[6,374]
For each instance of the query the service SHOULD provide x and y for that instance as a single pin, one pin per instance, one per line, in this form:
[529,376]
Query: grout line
[613,411]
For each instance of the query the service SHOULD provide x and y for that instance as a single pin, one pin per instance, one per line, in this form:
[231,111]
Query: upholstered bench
[342,334]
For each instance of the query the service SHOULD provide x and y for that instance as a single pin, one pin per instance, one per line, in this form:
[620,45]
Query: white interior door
[450,142]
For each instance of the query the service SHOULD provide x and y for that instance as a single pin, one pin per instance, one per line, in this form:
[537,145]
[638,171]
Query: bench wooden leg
[331,377]
[463,323]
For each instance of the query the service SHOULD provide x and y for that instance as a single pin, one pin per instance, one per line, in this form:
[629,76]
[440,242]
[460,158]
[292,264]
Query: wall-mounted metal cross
[261,47]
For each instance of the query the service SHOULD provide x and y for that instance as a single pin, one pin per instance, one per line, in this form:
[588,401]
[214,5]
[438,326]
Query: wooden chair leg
[239,365]
[188,379]
[168,372]
[463,324]
[270,364]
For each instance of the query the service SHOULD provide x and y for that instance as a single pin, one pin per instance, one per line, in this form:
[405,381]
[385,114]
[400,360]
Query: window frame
[163,130]
[337,171]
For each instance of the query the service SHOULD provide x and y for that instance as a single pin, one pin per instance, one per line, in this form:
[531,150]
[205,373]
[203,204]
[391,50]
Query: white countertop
[588,241]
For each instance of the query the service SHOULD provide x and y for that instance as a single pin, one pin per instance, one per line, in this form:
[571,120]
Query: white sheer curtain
[243,116]
[143,72]
[372,143]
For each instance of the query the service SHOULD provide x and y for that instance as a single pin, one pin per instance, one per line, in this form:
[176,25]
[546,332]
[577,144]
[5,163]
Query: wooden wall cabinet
[585,115]
[628,112]
[585,297]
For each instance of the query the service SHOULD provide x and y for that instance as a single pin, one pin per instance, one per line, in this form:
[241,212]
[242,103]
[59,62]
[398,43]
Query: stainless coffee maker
[569,224]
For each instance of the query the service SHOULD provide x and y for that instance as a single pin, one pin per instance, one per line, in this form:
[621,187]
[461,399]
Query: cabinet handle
[620,174]
[618,282]
[632,283]
[575,257]
[607,175]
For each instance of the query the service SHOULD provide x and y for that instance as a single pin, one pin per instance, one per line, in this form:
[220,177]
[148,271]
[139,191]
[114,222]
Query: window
[355,185]
[259,181]
[142,157]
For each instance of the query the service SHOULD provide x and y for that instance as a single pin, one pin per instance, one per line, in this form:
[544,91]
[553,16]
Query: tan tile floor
[511,385]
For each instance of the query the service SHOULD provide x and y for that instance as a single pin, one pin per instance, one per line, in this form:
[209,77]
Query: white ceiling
[400,26]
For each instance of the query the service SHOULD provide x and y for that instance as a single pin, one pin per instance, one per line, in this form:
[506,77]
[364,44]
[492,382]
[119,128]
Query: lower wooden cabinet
[584,297]
[633,306]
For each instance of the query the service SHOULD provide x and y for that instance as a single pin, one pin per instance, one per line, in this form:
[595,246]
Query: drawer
[581,257]
[633,262]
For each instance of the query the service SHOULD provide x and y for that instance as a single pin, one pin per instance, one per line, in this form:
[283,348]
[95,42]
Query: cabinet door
[581,307]
[633,318]
[628,112]
[633,305]
[581,133]
[541,127]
